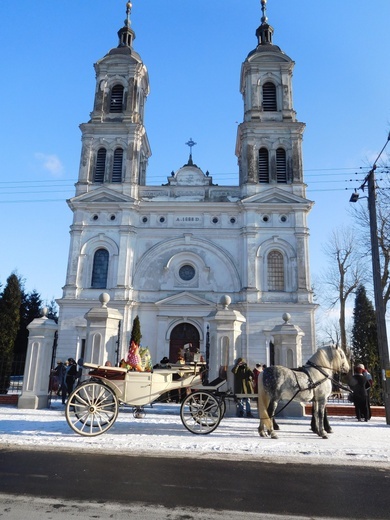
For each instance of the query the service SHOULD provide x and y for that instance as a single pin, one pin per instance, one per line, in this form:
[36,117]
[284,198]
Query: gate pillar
[225,340]
[102,333]
[38,363]
[287,343]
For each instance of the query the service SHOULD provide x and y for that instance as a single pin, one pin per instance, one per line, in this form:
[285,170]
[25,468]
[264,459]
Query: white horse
[312,382]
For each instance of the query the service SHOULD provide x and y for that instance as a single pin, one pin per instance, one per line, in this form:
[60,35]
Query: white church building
[170,253]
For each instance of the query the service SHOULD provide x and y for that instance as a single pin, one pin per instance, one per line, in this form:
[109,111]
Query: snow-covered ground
[162,432]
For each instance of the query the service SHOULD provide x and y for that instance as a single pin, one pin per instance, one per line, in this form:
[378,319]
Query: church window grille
[117,165]
[281,167]
[263,165]
[275,271]
[100,167]
[116,103]
[269,97]
[100,269]
[186,272]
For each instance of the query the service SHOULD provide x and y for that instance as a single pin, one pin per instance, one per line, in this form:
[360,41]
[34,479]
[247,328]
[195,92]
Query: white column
[38,363]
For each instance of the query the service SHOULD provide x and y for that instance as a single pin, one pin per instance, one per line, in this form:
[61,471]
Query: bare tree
[346,272]
[360,214]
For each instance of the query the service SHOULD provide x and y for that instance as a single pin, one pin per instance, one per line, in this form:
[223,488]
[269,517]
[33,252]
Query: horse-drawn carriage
[92,408]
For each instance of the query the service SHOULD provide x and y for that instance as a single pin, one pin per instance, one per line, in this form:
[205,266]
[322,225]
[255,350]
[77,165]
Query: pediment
[276,196]
[101,195]
[184,298]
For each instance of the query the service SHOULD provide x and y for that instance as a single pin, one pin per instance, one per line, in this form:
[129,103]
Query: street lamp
[378,290]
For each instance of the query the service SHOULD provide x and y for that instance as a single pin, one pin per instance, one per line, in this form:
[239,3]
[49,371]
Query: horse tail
[263,402]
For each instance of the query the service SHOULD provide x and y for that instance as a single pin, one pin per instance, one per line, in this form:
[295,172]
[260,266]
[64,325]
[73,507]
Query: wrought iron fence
[12,379]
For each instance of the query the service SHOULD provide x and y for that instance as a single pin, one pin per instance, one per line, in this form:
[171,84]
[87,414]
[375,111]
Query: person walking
[243,384]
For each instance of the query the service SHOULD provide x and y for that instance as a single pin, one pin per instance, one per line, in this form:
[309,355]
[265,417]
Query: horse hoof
[329,430]
[274,435]
[262,434]
[324,436]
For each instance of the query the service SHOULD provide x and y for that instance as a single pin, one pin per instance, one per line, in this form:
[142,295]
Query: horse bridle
[332,379]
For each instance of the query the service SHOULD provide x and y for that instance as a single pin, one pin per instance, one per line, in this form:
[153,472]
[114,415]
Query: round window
[186,272]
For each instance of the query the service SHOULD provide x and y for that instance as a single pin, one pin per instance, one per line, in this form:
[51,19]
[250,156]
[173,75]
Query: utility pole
[378,290]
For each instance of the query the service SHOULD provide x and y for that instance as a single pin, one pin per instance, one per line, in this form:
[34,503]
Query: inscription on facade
[187,219]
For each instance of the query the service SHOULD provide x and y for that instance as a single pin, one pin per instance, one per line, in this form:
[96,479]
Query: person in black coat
[71,374]
[359,386]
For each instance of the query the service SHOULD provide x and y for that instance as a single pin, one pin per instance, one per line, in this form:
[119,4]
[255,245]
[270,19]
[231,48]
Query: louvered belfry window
[117,165]
[263,166]
[116,103]
[100,167]
[275,271]
[269,97]
[281,167]
[100,269]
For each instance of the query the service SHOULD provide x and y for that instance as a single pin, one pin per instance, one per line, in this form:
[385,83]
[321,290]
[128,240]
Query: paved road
[189,484]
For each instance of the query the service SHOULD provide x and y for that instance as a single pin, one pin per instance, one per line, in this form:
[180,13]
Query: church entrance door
[182,335]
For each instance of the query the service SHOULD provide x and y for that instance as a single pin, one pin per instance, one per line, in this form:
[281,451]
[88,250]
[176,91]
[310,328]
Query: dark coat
[243,379]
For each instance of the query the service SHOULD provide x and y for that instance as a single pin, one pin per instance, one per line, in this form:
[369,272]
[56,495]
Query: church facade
[170,254]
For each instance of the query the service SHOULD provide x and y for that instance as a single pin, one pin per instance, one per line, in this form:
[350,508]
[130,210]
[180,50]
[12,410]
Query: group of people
[65,375]
[245,382]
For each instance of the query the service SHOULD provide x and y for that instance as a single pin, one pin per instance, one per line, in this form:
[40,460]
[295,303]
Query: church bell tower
[269,139]
[115,147]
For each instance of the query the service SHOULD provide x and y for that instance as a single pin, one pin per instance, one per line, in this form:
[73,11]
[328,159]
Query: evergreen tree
[10,303]
[136,331]
[365,341]
[52,310]
[30,309]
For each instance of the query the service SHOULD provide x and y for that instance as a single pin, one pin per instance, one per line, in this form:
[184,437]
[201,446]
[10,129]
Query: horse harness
[312,385]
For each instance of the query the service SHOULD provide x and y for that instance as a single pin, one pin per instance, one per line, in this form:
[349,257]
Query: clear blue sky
[193,50]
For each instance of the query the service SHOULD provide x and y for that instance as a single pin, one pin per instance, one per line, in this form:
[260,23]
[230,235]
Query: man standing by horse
[243,384]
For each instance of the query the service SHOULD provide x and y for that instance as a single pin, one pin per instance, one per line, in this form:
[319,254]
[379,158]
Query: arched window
[269,97]
[275,272]
[100,269]
[100,167]
[116,102]
[281,168]
[263,165]
[117,165]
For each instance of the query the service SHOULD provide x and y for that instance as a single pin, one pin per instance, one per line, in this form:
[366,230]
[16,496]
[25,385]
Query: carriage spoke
[91,409]
[200,413]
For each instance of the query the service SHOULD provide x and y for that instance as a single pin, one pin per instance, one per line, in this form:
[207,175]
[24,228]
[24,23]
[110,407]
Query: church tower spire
[265,32]
[126,34]
[115,144]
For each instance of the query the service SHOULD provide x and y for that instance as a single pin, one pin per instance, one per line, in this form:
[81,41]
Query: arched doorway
[182,335]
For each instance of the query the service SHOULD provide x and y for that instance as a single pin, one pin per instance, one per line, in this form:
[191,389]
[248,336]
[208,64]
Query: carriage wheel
[200,412]
[91,409]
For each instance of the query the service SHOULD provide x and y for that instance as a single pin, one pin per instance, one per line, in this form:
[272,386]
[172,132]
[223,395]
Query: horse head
[343,360]
[331,357]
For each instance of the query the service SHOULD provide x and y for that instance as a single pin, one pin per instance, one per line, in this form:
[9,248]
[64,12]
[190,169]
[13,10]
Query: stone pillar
[102,333]
[225,339]
[288,343]
[36,378]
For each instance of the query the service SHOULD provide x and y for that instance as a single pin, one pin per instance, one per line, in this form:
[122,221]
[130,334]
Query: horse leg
[271,412]
[327,426]
[265,426]
[319,412]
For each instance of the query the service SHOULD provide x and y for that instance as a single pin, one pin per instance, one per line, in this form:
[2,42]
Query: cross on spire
[191,144]
[264,18]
